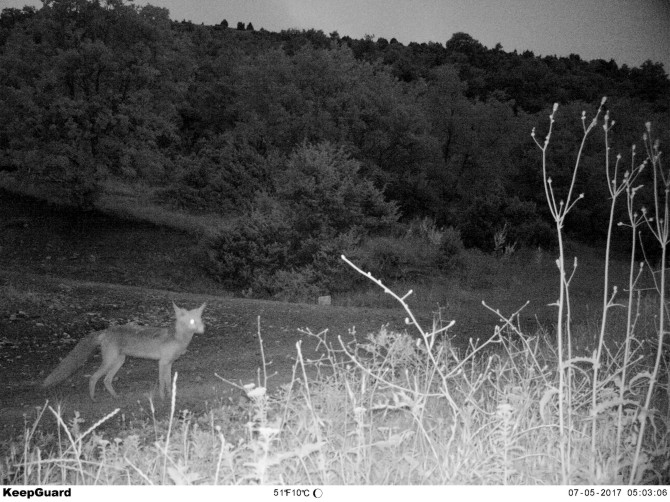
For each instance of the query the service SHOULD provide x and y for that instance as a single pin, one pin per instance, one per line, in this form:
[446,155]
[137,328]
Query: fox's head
[190,320]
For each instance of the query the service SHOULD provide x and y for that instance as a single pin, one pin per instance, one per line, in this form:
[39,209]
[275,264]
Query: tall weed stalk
[635,220]
[616,188]
[559,209]
[658,225]
[601,398]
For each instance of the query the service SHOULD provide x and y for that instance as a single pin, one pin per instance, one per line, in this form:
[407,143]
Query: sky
[628,31]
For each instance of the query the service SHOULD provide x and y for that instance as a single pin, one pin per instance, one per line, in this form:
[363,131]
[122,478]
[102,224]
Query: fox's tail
[73,360]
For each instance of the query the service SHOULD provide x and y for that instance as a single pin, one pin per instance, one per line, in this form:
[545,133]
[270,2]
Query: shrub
[451,250]
[489,213]
[421,249]
[480,220]
[527,228]
[260,242]
[427,229]
[289,285]
[384,256]
[333,273]
[397,257]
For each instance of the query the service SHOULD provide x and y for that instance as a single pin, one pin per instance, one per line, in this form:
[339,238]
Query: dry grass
[133,202]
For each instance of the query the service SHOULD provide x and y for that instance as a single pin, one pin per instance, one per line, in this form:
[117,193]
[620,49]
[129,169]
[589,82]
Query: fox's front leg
[164,376]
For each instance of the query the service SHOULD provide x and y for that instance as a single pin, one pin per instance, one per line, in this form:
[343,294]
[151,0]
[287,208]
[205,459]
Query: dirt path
[41,317]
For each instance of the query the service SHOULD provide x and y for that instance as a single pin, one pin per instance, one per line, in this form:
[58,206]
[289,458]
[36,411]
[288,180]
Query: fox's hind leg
[111,373]
[111,362]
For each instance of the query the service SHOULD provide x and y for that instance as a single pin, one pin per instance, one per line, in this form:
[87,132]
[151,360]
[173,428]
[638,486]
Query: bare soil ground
[44,317]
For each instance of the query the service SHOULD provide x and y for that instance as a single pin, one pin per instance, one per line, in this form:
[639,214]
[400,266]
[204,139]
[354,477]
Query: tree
[10,17]
[320,206]
[322,186]
[464,44]
[85,92]
[652,84]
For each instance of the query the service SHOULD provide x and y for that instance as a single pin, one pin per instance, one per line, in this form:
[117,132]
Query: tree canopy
[204,117]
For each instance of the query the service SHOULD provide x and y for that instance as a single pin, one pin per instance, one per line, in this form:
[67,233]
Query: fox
[116,342]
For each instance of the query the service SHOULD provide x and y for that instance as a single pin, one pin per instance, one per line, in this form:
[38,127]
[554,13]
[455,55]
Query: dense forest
[312,141]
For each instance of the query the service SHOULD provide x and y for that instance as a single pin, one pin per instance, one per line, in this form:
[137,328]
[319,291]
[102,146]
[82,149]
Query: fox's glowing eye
[191,321]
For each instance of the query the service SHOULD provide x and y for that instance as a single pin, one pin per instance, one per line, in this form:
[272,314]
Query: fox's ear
[176,309]
[202,307]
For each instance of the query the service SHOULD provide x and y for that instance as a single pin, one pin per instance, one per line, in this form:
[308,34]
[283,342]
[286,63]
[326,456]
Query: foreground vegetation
[389,409]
